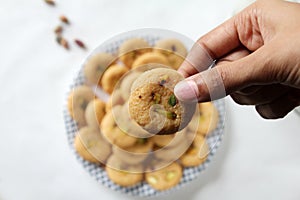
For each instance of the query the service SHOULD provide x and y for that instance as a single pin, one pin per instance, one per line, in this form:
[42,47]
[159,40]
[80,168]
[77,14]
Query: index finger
[210,47]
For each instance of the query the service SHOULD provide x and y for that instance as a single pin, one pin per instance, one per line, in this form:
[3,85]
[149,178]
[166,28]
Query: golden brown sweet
[173,49]
[114,134]
[173,150]
[153,105]
[91,146]
[151,57]
[77,103]
[136,153]
[131,49]
[111,76]
[125,85]
[208,119]
[142,104]
[162,140]
[196,154]
[115,99]
[95,112]
[121,174]
[165,178]
[96,65]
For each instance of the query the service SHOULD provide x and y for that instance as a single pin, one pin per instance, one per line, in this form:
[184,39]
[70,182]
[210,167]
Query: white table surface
[258,159]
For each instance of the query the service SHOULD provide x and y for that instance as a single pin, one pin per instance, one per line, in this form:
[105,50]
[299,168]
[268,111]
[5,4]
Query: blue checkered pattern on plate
[141,189]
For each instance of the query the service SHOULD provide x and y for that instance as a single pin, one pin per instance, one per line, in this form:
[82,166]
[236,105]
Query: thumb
[222,79]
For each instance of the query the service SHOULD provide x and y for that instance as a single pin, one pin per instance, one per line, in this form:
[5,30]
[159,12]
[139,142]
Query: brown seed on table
[58,30]
[58,39]
[64,43]
[50,2]
[80,43]
[64,19]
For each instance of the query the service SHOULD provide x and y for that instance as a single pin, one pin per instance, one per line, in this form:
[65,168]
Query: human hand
[257,55]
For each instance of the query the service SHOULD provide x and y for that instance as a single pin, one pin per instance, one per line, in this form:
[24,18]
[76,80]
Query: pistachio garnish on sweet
[170,175]
[168,114]
[173,47]
[156,97]
[152,179]
[142,140]
[171,115]
[83,104]
[91,143]
[172,100]
[163,80]
[124,173]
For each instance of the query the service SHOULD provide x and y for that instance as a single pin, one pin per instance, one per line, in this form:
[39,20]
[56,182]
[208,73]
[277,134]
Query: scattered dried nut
[50,2]
[58,39]
[80,43]
[64,19]
[58,30]
[63,42]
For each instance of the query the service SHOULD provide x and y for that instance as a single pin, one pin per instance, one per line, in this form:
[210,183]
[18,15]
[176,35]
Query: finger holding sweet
[273,61]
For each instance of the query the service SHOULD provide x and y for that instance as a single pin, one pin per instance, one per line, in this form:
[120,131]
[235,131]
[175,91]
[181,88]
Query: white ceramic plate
[97,172]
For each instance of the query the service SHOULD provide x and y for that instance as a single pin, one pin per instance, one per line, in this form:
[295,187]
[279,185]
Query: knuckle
[242,100]
[266,112]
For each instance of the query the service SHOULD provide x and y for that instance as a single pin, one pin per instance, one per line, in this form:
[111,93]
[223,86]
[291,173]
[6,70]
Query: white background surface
[258,159]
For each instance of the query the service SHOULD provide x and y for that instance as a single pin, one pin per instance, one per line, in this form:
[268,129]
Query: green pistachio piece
[170,175]
[141,140]
[172,100]
[83,104]
[171,115]
[163,80]
[90,143]
[168,114]
[156,98]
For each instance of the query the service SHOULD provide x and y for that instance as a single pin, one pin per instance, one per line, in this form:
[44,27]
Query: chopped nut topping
[58,30]
[173,47]
[83,104]
[171,115]
[141,140]
[163,80]
[152,180]
[172,100]
[156,97]
[170,175]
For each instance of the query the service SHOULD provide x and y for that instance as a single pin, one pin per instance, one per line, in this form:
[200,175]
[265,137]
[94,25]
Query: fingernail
[186,90]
